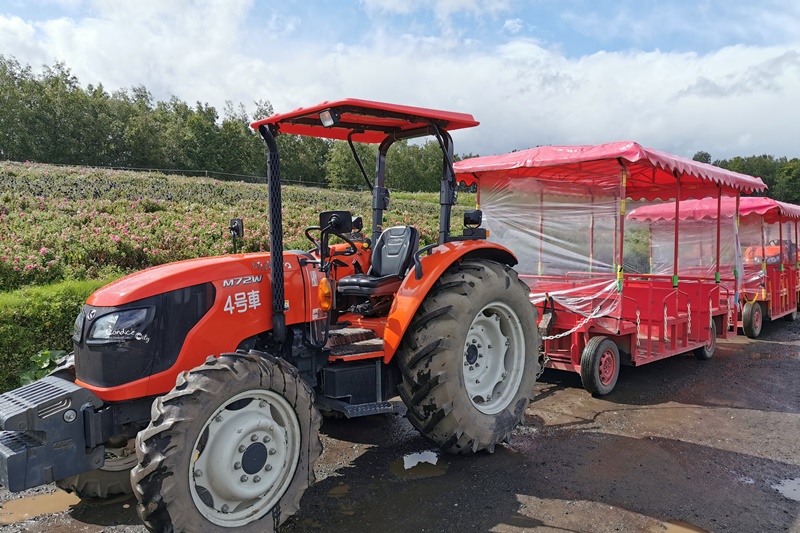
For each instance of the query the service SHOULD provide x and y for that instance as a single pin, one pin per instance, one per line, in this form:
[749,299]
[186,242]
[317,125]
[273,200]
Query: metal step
[354,411]
[338,337]
[356,348]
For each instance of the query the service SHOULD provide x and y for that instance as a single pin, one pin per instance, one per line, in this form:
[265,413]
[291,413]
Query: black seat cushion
[391,258]
[364,284]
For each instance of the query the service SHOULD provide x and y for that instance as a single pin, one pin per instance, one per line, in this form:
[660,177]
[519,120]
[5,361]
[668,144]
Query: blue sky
[681,76]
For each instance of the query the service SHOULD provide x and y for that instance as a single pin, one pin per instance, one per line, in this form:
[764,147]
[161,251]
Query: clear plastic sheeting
[698,224]
[697,248]
[566,238]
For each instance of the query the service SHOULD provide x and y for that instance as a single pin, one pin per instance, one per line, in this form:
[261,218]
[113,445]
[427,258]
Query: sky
[722,76]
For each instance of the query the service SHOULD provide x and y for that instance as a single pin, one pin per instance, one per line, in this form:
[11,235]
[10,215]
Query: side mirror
[336,221]
[473,218]
[237,228]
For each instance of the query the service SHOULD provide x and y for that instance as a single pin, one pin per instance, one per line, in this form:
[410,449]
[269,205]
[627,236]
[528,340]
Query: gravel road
[680,445]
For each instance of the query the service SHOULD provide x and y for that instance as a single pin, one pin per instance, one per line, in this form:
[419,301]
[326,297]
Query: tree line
[782,175]
[48,117]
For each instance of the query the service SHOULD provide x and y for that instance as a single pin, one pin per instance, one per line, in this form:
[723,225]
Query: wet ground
[681,445]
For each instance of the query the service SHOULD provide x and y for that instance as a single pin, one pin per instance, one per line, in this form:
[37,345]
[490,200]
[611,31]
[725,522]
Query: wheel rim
[494,358]
[757,317]
[244,458]
[607,367]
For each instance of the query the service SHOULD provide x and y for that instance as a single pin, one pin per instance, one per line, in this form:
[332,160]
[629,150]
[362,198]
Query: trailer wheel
[706,352]
[600,365]
[469,359]
[752,319]
[791,317]
[113,478]
[233,445]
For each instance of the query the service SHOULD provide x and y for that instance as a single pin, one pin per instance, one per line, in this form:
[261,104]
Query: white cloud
[738,100]
[513,26]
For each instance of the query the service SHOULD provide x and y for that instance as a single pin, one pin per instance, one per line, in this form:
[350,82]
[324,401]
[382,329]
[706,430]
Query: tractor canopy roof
[369,122]
[651,174]
[749,207]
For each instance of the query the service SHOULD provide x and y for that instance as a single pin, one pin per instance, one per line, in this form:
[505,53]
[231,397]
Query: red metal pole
[541,228]
[622,195]
[719,224]
[677,231]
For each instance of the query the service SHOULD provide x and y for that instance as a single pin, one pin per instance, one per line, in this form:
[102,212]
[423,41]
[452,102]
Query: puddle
[339,491]
[25,508]
[418,465]
[790,488]
[677,526]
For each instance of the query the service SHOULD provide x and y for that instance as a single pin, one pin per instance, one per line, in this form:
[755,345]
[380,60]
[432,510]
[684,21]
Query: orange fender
[412,291]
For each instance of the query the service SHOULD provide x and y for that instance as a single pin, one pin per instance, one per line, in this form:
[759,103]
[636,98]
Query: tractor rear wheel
[469,359]
[752,319]
[233,445]
[112,479]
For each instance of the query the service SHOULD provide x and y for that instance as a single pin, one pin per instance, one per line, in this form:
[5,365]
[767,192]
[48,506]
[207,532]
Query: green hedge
[38,318]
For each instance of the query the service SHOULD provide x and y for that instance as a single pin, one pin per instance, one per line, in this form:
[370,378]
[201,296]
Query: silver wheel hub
[494,358]
[245,458]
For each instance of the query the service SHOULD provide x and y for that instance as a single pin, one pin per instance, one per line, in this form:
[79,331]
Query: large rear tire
[233,445]
[112,479]
[469,359]
[752,319]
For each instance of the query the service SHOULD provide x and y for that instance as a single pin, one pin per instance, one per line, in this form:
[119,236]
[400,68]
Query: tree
[341,170]
[787,185]
[414,167]
[763,166]
[703,157]
[303,159]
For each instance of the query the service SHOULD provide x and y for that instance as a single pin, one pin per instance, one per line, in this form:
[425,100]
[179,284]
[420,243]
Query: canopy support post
[719,229]
[677,230]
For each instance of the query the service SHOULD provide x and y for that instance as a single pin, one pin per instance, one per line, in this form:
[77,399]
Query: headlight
[120,326]
[77,328]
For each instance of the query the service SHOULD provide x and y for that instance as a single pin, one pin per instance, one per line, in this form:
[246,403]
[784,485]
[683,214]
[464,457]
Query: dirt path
[681,445]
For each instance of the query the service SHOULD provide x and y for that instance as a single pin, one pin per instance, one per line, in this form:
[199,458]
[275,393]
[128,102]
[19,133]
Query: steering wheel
[312,239]
[352,250]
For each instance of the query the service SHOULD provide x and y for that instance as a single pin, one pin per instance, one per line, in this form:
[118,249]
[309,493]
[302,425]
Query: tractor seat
[391,259]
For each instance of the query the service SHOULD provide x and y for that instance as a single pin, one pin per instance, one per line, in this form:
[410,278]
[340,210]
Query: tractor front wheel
[752,319]
[112,479]
[233,445]
[469,359]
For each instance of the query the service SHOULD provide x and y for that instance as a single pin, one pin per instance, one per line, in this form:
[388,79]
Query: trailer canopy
[651,173]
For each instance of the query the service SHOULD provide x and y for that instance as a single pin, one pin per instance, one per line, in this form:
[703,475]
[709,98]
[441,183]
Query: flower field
[74,223]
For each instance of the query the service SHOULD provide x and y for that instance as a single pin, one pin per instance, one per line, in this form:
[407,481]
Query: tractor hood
[165,278]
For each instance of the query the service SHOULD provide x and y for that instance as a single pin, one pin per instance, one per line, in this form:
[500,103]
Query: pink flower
[43,251]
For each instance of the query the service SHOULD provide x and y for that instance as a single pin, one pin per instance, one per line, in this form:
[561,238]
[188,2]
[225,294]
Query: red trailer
[767,258]
[562,211]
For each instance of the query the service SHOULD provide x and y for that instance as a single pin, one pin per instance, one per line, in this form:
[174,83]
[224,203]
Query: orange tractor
[199,384]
